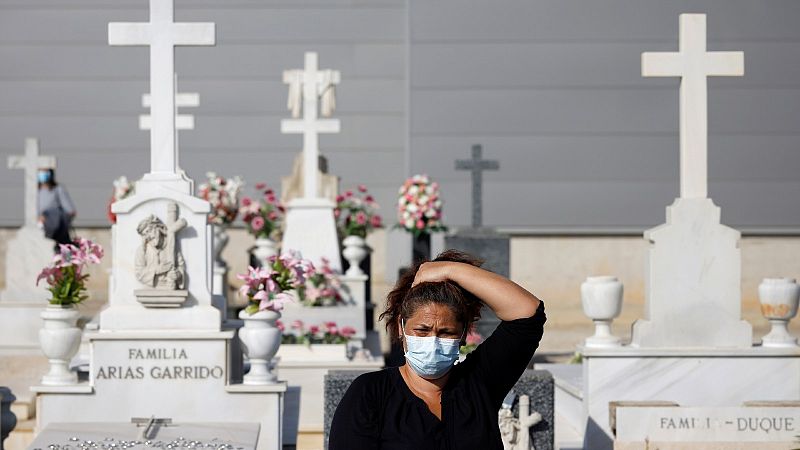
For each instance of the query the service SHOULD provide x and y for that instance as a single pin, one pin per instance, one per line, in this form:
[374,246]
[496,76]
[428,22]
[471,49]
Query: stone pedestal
[186,376]
[311,230]
[709,377]
[693,283]
[494,249]
[21,301]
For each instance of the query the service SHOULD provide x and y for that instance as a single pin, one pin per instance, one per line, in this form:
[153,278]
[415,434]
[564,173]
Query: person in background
[55,208]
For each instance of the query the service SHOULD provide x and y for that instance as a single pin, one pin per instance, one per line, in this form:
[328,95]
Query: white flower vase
[220,242]
[60,338]
[602,302]
[264,249]
[779,298]
[355,250]
[260,339]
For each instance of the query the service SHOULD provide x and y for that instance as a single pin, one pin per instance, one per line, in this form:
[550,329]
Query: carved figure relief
[159,264]
[515,432]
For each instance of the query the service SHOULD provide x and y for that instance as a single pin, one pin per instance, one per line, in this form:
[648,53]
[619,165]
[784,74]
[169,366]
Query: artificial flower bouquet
[270,287]
[419,206]
[264,216]
[223,195]
[65,275]
[356,214]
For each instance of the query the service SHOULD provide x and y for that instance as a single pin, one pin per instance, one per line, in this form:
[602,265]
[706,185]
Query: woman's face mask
[43,177]
[431,357]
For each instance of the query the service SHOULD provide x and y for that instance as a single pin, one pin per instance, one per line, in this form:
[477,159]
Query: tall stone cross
[182,100]
[476,166]
[314,83]
[162,35]
[693,64]
[182,121]
[31,162]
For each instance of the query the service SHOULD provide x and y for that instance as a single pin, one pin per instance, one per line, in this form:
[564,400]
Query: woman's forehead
[434,312]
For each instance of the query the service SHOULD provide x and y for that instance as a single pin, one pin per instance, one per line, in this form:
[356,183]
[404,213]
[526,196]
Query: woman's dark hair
[51,183]
[403,301]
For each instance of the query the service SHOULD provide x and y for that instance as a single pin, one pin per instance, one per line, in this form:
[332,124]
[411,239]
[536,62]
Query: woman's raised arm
[507,299]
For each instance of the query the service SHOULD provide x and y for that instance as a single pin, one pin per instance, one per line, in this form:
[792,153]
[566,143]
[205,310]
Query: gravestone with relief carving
[160,350]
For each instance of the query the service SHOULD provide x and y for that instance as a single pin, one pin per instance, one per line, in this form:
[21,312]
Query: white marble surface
[27,253]
[124,312]
[693,282]
[707,424]
[311,230]
[183,379]
[687,380]
[240,435]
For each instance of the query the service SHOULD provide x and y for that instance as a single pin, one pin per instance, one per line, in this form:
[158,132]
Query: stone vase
[220,242]
[355,250]
[264,249]
[602,302]
[779,298]
[421,248]
[60,338]
[260,338]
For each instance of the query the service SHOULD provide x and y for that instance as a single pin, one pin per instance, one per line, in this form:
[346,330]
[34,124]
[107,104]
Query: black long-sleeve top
[379,411]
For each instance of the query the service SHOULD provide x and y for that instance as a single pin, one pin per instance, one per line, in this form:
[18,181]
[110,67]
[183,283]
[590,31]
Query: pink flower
[337,212]
[473,338]
[257,223]
[348,331]
[329,325]
[272,216]
[361,218]
[246,201]
[339,198]
[376,221]
[333,330]
[420,224]
[260,186]
[362,188]
[280,325]
[348,194]
[313,329]
[297,325]
[369,199]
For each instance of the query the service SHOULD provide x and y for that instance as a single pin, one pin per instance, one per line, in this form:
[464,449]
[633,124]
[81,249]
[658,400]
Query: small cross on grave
[312,83]
[476,166]
[693,64]
[162,35]
[31,162]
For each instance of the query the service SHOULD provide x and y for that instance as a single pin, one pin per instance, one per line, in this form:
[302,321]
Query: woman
[429,403]
[55,208]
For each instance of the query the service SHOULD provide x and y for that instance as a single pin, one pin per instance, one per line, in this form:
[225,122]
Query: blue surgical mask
[43,177]
[431,357]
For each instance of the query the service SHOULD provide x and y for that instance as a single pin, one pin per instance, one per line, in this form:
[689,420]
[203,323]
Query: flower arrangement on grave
[472,341]
[356,214]
[269,288]
[223,194]
[65,275]
[322,286]
[122,189]
[264,216]
[419,206]
[325,333]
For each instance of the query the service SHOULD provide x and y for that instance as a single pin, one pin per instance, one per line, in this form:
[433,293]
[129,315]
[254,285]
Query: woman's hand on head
[433,271]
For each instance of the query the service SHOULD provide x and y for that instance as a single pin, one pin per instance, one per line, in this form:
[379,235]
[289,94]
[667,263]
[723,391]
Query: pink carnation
[348,331]
[257,223]
[362,188]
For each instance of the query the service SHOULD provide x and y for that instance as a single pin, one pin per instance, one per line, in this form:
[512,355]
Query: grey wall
[550,88]
[61,82]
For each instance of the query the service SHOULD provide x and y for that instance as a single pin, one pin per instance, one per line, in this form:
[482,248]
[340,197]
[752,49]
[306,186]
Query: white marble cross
[162,35]
[31,162]
[314,82]
[693,64]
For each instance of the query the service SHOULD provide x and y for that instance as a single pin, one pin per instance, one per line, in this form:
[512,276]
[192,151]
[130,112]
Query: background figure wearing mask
[55,208]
